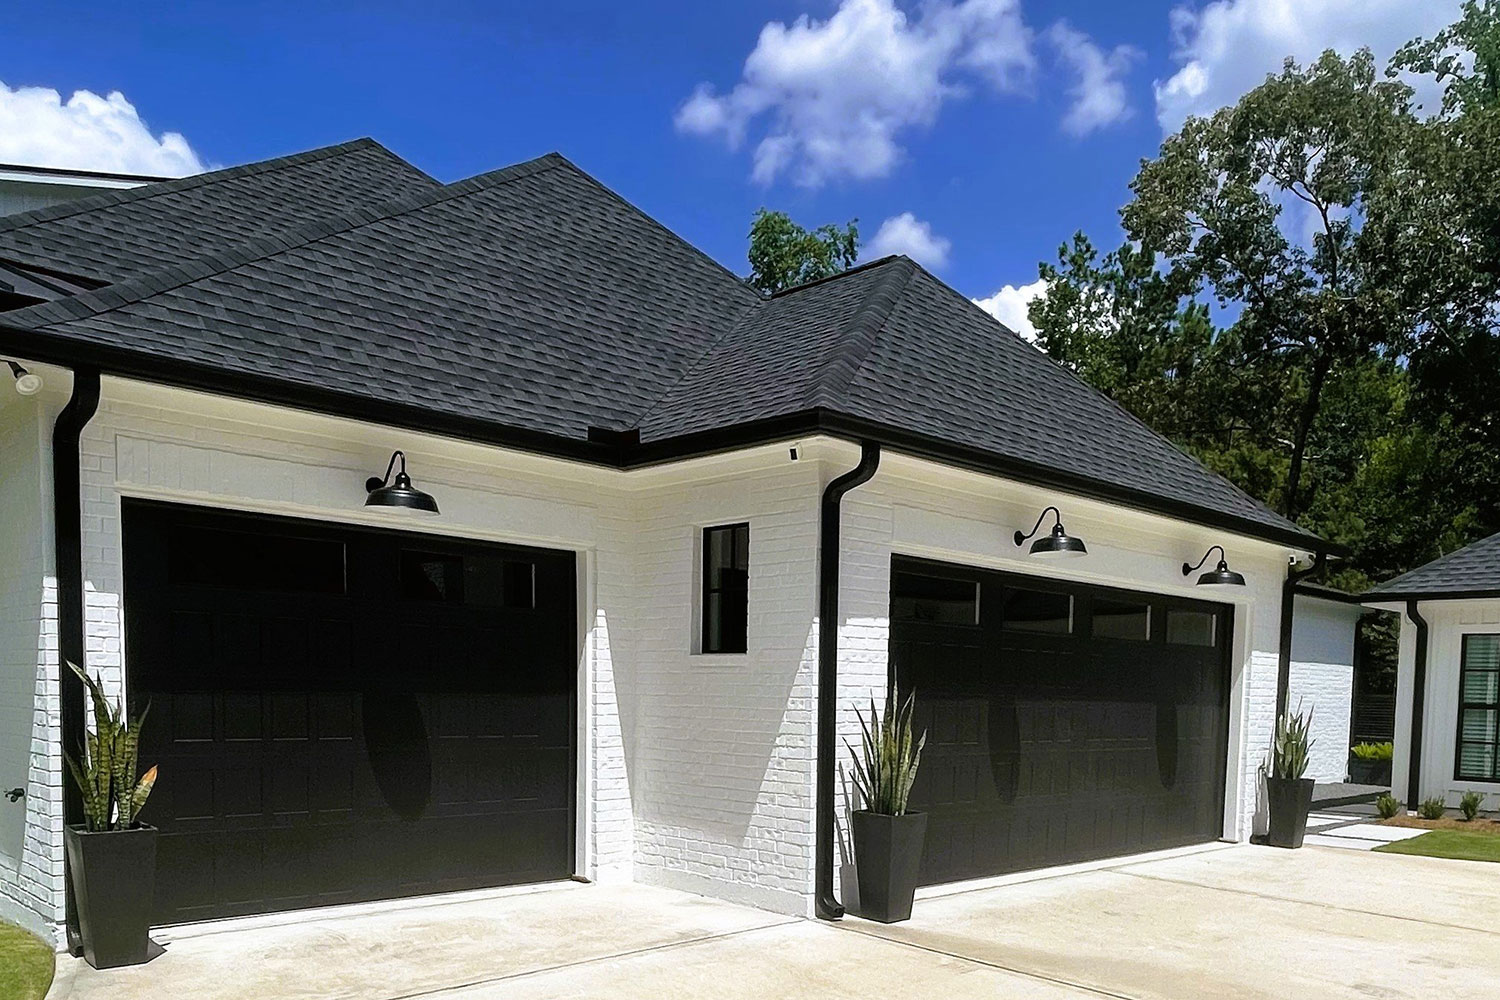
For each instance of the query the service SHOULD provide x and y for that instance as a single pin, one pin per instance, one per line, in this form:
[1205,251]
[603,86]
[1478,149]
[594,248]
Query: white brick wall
[1322,680]
[31,866]
[697,771]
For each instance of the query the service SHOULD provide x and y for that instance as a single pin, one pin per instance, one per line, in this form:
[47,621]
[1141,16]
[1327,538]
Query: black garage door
[343,714]
[1065,722]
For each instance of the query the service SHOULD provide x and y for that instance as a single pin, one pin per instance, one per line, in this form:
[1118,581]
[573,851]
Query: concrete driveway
[1219,923]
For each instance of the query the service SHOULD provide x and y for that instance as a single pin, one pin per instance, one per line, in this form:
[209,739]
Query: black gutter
[1288,611]
[1418,699]
[67,526]
[826,903]
[817,420]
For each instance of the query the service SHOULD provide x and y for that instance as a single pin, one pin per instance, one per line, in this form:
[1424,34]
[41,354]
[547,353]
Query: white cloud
[1229,46]
[1099,96]
[907,234]
[835,95]
[88,132]
[1009,306]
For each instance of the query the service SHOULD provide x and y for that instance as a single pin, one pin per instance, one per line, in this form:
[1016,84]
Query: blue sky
[1000,126]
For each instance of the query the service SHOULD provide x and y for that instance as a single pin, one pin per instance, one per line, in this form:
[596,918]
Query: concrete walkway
[1225,922]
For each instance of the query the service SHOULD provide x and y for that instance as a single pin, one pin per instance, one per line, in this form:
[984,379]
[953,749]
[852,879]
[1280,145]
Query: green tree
[783,254]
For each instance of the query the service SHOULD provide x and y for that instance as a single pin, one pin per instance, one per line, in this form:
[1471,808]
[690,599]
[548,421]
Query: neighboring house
[685,532]
[1324,624]
[1447,735]
[24,188]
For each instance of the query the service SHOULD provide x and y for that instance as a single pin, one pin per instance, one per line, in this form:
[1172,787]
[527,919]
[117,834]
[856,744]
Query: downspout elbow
[825,903]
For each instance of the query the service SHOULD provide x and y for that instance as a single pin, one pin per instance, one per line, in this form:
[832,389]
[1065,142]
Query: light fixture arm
[16,371]
[1021,538]
[1223,558]
[372,484]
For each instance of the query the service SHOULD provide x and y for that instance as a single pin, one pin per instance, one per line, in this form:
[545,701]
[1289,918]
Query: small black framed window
[1479,709]
[918,597]
[1192,628]
[726,588]
[1121,618]
[1037,611]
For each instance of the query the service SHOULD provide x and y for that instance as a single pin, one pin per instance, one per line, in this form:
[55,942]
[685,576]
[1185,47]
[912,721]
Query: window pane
[1478,724]
[1476,760]
[919,598]
[1037,611]
[1121,619]
[726,588]
[431,576]
[497,582]
[1481,686]
[1482,652]
[1192,628]
[261,561]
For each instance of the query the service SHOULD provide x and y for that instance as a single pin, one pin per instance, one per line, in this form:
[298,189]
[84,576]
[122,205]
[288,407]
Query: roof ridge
[1393,585]
[856,269]
[652,220]
[702,359]
[106,199]
[155,282]
[860,333]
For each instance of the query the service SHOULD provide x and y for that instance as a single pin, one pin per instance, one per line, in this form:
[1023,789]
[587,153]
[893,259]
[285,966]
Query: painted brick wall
[31,866]
[1322,680]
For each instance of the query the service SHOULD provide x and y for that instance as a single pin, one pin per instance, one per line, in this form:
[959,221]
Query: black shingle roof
[1470,571]
[117,235]
[533,300]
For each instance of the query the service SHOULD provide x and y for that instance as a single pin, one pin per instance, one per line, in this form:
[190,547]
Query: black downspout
[1288,610]
[67,527]
[1418,697]
[826,904]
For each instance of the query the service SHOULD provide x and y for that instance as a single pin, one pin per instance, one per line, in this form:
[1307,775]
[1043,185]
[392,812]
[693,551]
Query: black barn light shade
[1056,545]
[1220,576]
[398,493]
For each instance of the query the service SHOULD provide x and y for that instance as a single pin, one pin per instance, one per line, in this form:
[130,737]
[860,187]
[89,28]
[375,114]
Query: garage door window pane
[1479,708]
[920,598]
[1192,628]
[1117,619]
[259,561]
[1037,611]
[477,580]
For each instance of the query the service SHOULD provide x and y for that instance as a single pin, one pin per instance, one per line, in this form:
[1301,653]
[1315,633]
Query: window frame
[707,590]
[1494,706]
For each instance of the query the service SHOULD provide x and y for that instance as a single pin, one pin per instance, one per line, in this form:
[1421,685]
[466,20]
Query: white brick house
[589,400]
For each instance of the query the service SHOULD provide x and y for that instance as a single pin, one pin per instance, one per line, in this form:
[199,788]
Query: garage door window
[1037,611]
[1192,628]
[1115,619]
[726,588]
[916,597]
[1479,708]
[476,580]
[263,561]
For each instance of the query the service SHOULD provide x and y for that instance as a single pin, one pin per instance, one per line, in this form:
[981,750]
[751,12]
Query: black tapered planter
[887,856]
[1288,801]
[114,877]
[1369,772]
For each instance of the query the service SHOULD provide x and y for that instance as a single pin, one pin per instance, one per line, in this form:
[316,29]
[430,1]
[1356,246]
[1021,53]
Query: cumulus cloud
[1227,47]
[906,234]
[87,132]
[1009,306]
[1098,93]
[831,98]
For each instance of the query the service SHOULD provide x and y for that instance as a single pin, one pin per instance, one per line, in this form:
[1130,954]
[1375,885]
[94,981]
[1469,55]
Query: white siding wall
[1322,680]
[31,865]
[1449,622]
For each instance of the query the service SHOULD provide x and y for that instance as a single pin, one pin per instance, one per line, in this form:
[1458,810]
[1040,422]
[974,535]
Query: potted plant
[1288,793]
[1370,764]
[887,838]
[111,854]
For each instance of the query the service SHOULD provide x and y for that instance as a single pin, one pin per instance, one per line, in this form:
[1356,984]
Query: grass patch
[1462,845]
[26,964]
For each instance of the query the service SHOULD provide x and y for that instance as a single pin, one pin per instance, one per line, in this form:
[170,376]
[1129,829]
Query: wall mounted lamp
[1057,545]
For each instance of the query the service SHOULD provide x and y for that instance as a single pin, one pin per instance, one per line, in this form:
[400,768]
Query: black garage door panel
[345,714]
[1051,748]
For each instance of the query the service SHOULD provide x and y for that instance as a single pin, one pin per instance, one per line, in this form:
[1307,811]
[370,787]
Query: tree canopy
[783,254]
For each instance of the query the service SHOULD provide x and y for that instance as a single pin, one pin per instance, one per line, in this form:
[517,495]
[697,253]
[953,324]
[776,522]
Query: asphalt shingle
[1474,569]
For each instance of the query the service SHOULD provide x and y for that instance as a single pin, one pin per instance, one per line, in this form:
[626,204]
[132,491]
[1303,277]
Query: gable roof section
[531,297]
[118,235]
[1473,571]
[534,307]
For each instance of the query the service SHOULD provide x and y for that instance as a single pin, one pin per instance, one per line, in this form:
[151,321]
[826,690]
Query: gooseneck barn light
[1057,545]
[1220,576]
[398,493]
[27,384]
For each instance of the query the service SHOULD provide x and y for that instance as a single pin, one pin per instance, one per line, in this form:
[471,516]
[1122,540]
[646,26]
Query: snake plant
[888,766]
[106,773]
[1290,747]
